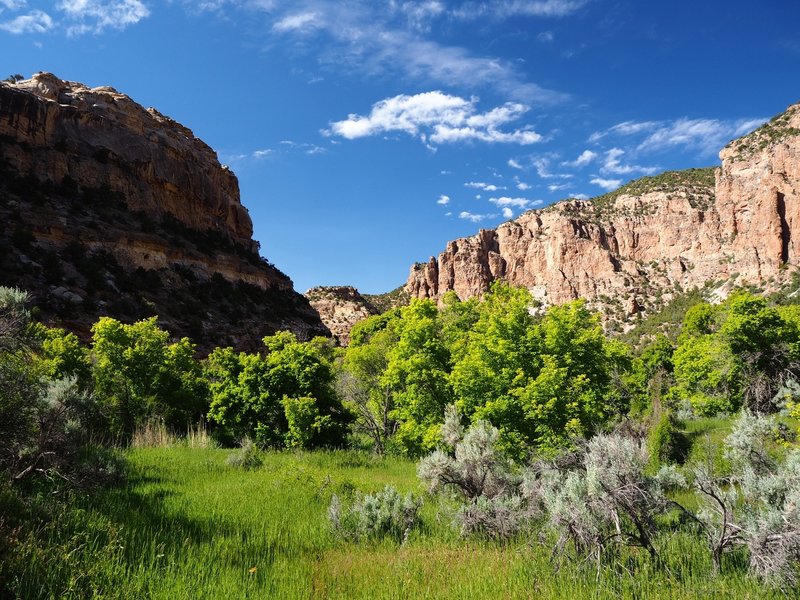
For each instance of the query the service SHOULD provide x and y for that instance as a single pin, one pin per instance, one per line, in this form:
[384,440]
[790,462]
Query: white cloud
[625,128]
[579,196]
[506,201]
[516,8]
[420,14]
[611,164]
[13,4]
[486,187]
[303,22]
[704,135]
[554,187]
[95,16]
[542,165]
[507,212]
[584,159]
[475,218]
[437,118]
[34,22]
[514,164]
[607,184]
[363,36]
[443,200]
[262,153]
[546,37]
[522,186]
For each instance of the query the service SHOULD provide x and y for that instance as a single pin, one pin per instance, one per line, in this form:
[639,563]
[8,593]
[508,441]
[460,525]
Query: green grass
[187,525]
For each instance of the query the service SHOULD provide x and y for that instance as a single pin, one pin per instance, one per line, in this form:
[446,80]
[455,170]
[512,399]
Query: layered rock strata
[632,250]
[111,208]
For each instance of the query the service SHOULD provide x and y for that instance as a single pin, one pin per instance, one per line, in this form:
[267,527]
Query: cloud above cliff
[438,118]
[77,17]
[701,135]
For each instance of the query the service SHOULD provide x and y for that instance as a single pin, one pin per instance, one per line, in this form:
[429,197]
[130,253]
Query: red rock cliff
[632,249]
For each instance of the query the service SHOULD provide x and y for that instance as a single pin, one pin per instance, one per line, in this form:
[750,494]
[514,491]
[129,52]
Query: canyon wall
[632,250]
[111,208]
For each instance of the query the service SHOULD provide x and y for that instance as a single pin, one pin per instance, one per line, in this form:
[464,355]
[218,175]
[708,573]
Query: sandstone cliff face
[116,209]
[629,251]
[100,137]
[340,307]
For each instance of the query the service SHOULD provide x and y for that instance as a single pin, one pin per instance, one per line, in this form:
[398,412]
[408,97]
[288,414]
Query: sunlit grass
[187,525]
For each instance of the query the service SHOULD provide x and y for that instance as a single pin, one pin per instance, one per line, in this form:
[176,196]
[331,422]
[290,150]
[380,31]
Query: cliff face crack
[786,232]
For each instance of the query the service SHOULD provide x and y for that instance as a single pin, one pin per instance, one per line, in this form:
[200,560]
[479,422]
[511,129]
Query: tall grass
[154,434]
[187,525]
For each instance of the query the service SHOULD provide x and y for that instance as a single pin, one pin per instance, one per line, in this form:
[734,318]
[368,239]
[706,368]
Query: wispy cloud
[612,165]
[444,200]
[95,16]
[13,4]
[545,37]
[542,165]
[607,184]
[486,187]
[437,118]
[34,22]
[704,135]
[302,22]
[625,128]
[362,35]
[517,8]
[475,218]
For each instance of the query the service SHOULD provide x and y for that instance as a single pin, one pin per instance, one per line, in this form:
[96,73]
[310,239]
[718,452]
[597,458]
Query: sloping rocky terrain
[109,208]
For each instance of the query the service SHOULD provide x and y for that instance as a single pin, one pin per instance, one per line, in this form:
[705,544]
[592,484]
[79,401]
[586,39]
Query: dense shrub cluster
[602,495]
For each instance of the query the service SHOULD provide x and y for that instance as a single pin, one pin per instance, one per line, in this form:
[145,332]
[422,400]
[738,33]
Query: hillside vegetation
[465,450]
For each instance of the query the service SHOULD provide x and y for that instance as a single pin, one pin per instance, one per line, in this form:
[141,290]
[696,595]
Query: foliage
[602,497]
[138,374]
[741,352]
[382,514]
[479,474]
[283,398]
[542,381]
[247,457]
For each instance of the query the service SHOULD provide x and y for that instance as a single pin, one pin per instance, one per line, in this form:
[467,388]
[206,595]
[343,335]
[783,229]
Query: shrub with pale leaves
[384,514]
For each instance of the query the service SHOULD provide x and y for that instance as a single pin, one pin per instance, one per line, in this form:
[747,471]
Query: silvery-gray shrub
[383,514]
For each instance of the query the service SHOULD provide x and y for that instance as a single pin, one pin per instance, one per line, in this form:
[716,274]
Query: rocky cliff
[631,250]
[111,208]
[340,307]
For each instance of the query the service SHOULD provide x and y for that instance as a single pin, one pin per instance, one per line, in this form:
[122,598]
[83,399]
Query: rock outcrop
[111,208]
[631,250]
[340,307]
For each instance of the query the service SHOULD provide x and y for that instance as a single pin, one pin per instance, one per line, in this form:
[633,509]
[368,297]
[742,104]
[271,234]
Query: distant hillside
[113,209]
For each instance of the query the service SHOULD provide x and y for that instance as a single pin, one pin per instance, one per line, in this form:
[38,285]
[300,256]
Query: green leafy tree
[417,371]
[283,398]
[138,375]
[362,388]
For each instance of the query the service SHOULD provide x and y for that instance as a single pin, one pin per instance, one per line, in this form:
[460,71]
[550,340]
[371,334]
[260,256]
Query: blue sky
[367,134]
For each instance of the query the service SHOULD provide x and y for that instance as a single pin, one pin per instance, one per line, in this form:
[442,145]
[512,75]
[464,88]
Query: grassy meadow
[188,525]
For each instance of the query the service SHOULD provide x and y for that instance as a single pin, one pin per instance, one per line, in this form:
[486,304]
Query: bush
[383,514]
[248,457]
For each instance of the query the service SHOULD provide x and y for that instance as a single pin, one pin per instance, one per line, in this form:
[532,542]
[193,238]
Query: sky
[367,134]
